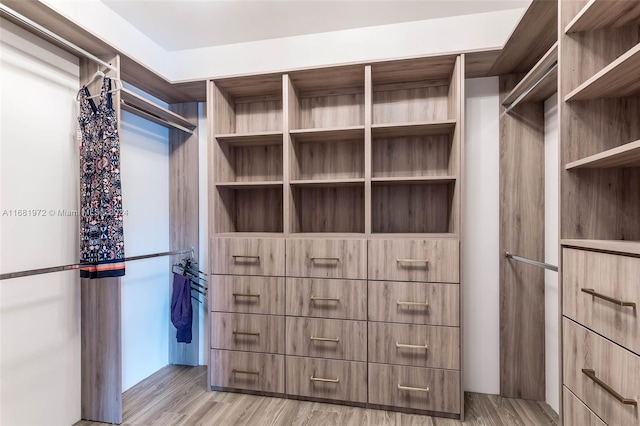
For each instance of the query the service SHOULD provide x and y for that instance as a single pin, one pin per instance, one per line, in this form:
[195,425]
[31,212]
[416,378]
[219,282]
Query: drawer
[327,379]
[418,345]
[327,258]
[610,277]
[248,256]
[414,260]
[576,413]
[316,297]
[414,387]
[247,370]
[326,338]
[591,365]
[243,332]
[414,303]
[247,294]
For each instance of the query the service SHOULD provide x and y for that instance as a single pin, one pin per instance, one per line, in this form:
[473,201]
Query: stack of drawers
[247,322]
[326,319]
[601,338]
[414,334]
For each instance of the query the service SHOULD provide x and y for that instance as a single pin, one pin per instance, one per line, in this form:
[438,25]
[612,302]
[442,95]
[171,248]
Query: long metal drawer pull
[245,295]
[405,345]
[592,375]
[412,389]
[412,260]
[245,333]
[401,302]
[332,259]
[325,339]
[324,299]
[244,256]
[255,373]
[320,379]
[618,302]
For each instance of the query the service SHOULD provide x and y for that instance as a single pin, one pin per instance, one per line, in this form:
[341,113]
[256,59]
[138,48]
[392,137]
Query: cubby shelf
[597,14]
[618,79]
[541,81]
[413,180]
[613,246]
[327,182]
[250,185]
[333,134]
[627,155]
[425,128]
[256,138]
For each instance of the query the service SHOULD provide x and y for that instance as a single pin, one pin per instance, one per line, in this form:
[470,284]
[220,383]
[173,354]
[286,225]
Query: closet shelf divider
[613,246]
[251,184]
[333,134]
[413,180]
[420,128]
[327,182]
[253,138]
[627,155]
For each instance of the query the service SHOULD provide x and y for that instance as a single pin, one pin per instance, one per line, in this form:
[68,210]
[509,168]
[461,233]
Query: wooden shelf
[613,246]
[341,235]
[327,182]
[435,236]
[425,128]
[412,180]
[258,138]
[599,14]
[334,134]
[619,79]
[627,155]
[250,185]
[544,83]
[134,103]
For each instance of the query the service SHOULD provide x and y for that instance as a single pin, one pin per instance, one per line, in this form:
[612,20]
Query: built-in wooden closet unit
[600,210]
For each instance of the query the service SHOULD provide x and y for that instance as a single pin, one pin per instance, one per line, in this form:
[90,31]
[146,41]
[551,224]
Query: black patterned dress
[101,214]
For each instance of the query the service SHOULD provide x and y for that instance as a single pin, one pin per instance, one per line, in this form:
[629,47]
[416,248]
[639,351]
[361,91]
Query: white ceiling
[188,24]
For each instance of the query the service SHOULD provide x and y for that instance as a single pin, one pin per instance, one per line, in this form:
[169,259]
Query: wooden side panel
[522,356]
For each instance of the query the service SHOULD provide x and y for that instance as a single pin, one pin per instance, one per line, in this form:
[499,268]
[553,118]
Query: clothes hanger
[97,74]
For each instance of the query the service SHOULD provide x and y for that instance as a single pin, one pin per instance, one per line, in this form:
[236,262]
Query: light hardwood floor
[177,396]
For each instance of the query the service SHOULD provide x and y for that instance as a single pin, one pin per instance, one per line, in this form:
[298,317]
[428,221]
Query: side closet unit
[600,210]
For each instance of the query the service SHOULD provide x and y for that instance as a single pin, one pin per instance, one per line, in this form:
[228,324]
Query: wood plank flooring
[177,396]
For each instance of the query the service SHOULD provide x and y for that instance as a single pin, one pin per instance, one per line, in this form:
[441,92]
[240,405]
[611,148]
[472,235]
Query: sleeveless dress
[101,214]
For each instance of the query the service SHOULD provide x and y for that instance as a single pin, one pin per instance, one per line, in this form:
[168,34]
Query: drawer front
[611,276]
[242,332]
[576,413]
[414,303]
[418,345]
[326,258]
[413,387]
[414,260]
[248,256]
[325,338]
[607,363]
[328,379]
[247,370]
[247,294]
[316,297]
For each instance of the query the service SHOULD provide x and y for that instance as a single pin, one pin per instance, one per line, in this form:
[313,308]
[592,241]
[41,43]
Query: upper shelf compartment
[597,14]
[136,104]
[627,155]
[540,83]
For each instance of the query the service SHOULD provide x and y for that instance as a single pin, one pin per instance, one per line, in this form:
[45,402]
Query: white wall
[551,296]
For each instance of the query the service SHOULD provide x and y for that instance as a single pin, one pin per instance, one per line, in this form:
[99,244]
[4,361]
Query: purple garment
[181,311]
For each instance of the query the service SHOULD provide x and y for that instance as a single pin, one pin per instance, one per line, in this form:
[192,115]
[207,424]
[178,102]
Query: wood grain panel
[575,413]
[341,159]
[249,210]
[332,209]
[631,248]
[545,86]
[314,297]
[443,395]
[401,106]
[329,78]
[270,369]
[258,116]
[598,14]
[613,365]
[348,338]
[327,258]
[331,111]
[609,275]
[416,69]
[412,156]
[242,332]
[270,252]
[435,347]
[388,302]
[249,163]
[627,155]
[351,379]
[441,260]
[252,85]
[521,233]
[247,294]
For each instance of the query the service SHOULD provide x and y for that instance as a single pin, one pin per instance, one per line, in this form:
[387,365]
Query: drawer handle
[400,302]
[244,256]
[331,259]
[245,295]
[325,339]
[320,379]
[412,261]
[324,299]
[407,346]
[592,375]
[618,302]
[412,389]
[255,373]
[245,333]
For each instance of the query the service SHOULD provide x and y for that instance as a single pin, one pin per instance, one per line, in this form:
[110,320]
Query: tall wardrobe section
[335,203]
[600,210]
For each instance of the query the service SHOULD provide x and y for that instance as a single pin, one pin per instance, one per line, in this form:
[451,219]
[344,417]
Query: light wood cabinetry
[324,179]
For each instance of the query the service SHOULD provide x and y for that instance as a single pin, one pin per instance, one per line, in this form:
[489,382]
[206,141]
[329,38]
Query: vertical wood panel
[291,106]
[368,120]
[522,355]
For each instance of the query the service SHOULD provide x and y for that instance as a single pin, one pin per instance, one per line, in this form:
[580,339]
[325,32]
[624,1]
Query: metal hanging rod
[40,271]
[135,110]
[515,103]
[531,262]
[39,28]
